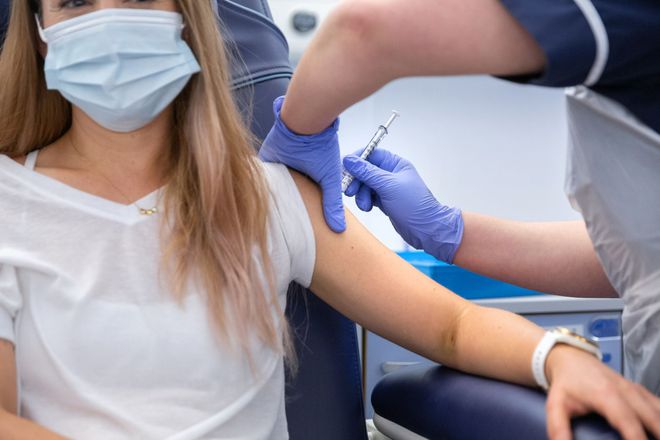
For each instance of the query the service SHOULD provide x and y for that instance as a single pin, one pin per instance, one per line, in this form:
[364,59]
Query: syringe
[347,178]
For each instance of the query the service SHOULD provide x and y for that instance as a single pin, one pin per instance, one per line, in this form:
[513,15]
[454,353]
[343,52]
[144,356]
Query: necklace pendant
[148,212]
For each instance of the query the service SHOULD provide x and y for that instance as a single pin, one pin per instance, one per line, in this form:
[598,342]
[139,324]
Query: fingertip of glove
[337,226]
[353,188]
[364,206]
[351,163]
[335,219]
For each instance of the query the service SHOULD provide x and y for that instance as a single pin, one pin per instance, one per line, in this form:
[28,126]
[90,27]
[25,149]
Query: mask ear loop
[42,34]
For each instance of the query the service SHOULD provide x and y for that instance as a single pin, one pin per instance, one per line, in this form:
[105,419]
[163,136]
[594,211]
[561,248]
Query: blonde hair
[216,201]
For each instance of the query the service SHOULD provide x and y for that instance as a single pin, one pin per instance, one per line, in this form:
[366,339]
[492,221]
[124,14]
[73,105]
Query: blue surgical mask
[122,67]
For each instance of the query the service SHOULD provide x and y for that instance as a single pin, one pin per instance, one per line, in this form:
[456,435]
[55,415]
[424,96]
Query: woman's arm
[556,257]
[11,426]
[361,278]
[365,44]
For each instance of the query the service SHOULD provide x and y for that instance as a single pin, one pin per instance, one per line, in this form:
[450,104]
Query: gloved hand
[316,156]
[392,184]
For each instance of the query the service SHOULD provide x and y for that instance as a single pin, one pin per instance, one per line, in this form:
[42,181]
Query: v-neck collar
[51,187]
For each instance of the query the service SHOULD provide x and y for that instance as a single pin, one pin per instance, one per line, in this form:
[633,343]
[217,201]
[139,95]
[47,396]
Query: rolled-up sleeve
[11,302]
[294,223]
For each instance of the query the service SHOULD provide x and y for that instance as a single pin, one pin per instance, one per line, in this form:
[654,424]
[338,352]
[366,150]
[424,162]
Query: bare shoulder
[308,189]
[311,196]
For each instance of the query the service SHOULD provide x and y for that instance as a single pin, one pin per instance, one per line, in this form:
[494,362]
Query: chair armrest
[441,403]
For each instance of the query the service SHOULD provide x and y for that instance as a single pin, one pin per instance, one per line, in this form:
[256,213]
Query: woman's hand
[392,184]
[580,384]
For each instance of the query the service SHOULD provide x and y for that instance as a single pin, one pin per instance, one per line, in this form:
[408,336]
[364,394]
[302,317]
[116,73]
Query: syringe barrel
[378,137]
[347,178]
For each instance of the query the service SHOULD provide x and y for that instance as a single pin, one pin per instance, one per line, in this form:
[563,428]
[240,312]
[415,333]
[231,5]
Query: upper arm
[365,44]
[371,285]
[8,391]
[422,37]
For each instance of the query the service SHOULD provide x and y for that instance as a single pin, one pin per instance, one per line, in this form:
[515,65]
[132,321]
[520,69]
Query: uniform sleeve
[10,301]
[605,43]
[293,221]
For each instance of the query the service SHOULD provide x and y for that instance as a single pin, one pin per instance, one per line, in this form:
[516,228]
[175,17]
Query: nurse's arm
[552,257]
[371,285]
[365,44]
[11,426]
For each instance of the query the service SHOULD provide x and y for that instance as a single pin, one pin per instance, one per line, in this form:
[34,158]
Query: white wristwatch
[559,335]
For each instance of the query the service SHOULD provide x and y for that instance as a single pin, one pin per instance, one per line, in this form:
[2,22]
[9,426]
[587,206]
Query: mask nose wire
[42,34]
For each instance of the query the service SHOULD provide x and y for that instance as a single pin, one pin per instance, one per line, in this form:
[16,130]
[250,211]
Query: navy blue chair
[324,400]
[441,403]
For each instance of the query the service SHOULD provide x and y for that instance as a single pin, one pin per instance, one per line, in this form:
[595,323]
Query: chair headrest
[4,19]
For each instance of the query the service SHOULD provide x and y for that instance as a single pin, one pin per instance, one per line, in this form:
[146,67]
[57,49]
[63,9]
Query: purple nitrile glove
[315,155]
[392,184]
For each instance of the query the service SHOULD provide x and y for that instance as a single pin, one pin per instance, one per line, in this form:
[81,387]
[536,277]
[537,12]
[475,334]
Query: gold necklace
[141,210]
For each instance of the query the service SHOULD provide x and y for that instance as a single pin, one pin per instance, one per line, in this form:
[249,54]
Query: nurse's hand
[392,184]
[316,156]
[580,384]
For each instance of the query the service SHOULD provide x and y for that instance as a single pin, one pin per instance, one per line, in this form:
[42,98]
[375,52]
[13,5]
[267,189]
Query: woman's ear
[42,46]
[43,49]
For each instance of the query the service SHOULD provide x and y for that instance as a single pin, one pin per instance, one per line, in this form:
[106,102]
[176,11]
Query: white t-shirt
[103,351]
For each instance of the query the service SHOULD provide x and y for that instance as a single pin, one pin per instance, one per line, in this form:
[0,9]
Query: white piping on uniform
[602,40]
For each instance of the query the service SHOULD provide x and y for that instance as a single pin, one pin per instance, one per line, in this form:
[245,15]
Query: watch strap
[549,340]
[540,356]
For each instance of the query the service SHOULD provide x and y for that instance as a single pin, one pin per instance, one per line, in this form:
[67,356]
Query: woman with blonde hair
[145,252]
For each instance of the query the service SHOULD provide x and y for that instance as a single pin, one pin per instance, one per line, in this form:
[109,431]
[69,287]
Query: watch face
[572,334]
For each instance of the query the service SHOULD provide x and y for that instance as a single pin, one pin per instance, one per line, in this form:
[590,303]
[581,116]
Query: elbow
[353,17]
[356,24]
[449,351]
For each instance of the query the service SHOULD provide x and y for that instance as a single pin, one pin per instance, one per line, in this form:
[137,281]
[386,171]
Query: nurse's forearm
[550,257]
[365,44]
[16,428]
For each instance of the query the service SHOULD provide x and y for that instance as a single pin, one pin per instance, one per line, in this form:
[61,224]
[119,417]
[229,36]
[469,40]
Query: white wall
[480,143]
